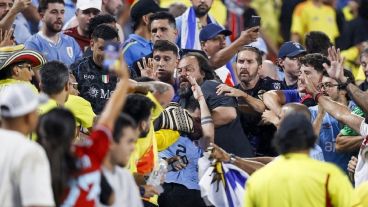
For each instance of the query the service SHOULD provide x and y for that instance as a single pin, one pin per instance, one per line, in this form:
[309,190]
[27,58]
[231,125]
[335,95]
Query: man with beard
[191,22]
[249,93]
[229,134]
[94,83]
[311,66]
[86,10]
[49,41]
[213,43]
[138,45]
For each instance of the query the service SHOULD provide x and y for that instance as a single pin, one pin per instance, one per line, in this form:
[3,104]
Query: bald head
[292,108]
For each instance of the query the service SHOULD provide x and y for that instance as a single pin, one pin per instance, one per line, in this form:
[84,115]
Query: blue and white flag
[190,29]
[221,184]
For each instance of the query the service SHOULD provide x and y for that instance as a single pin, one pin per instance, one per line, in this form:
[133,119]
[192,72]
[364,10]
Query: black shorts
[179,196]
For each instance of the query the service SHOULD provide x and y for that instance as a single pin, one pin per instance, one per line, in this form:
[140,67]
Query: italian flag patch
[105,78]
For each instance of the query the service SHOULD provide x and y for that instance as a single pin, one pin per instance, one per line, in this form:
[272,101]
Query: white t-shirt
[24,172]
[124,186]
[361,170]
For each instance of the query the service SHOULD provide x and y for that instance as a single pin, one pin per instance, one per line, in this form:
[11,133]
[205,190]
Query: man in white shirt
[24,168]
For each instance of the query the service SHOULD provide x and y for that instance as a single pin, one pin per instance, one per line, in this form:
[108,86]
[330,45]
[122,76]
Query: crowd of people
[283,102]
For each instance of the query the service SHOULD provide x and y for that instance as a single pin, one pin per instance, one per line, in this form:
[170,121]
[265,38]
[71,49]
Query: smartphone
[255,21]
[111,56]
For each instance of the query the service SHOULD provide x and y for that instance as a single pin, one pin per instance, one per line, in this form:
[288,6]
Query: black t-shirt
[94,84]
[260,136]
[230,137]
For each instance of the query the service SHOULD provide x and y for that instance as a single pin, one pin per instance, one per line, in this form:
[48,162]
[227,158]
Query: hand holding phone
[111,60]
[255,21]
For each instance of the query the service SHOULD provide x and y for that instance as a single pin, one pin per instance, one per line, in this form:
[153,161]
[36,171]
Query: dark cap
[143,7]
[291,49]
[212,30]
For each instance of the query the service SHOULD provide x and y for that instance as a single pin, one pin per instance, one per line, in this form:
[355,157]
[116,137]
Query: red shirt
[84,189]
[83,42]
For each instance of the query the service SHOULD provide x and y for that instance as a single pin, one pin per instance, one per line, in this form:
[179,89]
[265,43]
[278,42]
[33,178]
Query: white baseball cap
[88,4]
[19,99]
[260,44]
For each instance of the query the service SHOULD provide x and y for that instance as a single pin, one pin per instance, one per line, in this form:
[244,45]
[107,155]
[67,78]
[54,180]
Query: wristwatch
[232,159]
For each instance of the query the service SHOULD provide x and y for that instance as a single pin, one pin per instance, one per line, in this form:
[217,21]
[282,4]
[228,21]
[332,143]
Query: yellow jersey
[308,17]
[297,180]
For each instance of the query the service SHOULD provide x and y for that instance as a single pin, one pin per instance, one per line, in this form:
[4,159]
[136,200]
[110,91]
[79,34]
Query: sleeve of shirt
[297,25]
[82,110]
[165,138]
[340,189]
[31,44]
[35,179]
[291,96]
[178,27]
[212,99]
[96,147]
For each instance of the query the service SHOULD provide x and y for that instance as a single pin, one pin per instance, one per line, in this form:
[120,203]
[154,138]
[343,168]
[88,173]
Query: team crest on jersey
[69,51]
[276,86]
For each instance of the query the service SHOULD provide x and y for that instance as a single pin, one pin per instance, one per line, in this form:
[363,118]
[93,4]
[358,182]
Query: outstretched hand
[228,91]
[147,68]
[336,70]
[6,38]
[197,91]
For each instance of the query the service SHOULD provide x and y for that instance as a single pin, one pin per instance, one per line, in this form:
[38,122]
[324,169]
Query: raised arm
[8,20]
[224,55]
[335,109]
[208,127]
[336,71]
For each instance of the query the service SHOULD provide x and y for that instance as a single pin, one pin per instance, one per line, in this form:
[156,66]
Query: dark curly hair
[316,61]
[317,42]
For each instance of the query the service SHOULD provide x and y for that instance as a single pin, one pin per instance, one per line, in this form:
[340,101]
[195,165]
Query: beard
[52,27]
[185,91]
[201,10]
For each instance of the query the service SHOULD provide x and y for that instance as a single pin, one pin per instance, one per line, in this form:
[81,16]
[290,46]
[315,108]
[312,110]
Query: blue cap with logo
[212,30]
[291,49]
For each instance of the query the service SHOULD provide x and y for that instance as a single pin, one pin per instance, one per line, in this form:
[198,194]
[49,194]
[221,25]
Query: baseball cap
[291,49]
[212,30]
[15,54]
[19,99]
[143,7]
[89,4]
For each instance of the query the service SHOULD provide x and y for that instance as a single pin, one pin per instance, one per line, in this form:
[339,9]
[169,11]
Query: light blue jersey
[66,50]
[327,140]
[189,153]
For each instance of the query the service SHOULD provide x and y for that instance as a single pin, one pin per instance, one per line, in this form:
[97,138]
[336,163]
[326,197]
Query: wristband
[316,96]
[342,86]
[232,159]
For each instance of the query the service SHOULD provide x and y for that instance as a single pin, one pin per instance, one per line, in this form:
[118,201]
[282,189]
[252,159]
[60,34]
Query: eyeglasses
[28,66]
[326,86]
[74,85]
